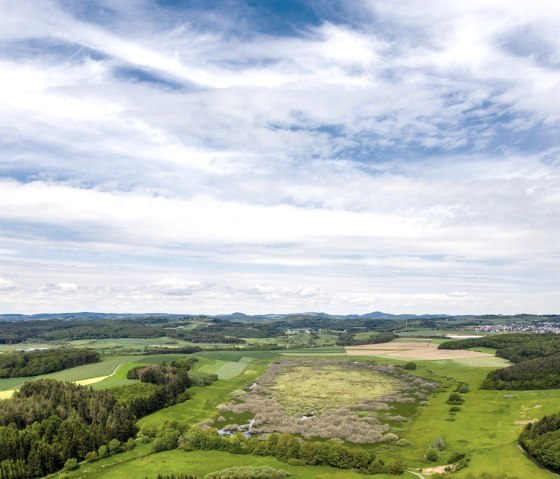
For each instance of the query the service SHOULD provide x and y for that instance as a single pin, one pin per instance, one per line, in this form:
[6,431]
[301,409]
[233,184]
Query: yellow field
[417,348]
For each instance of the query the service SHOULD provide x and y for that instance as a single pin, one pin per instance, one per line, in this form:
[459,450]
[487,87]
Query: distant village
[540,328]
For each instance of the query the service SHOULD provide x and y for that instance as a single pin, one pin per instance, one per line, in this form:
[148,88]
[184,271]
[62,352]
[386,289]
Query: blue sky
[278,156]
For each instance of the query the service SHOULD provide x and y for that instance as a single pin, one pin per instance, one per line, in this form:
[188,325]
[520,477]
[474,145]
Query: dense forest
[540,373]
[48,422]
[34,363]
[515,347]
[541,440]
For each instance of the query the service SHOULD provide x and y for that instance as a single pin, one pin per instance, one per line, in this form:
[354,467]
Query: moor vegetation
[327,399]
[34,363]
[541,440]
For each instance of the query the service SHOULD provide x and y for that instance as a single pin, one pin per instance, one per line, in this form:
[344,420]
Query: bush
[71,464]
[410,366]
[455,399]
[91,456]
[248,472]
[115,446]
[103,451]
[463,388]
[439,443]
[431,455]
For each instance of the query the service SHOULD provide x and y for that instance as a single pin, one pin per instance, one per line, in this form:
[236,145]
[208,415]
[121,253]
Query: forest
[34,363]
[514,347]
[539,373]
[48,422]
[542,441]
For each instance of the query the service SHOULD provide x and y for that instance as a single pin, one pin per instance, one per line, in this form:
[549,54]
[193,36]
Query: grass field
[485,427]
[200,463]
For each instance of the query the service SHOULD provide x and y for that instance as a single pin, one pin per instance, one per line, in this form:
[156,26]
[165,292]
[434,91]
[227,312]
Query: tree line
[515,347]
[291,449]
[540,373]
[541,440]
[34,363]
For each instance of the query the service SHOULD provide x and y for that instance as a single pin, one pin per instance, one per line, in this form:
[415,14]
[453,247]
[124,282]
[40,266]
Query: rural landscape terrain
[307,395]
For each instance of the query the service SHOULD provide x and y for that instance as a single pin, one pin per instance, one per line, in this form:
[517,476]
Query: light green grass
[225,369]
[200,463]
[485,427]
[103,368]
[484,362]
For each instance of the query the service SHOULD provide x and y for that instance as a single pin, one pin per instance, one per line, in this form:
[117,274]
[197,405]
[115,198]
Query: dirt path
[85,382]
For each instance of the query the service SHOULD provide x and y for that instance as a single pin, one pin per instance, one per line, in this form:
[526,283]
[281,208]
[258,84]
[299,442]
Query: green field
[200,463]
[485,427]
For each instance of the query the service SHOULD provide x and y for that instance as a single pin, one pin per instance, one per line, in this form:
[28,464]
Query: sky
[275,156]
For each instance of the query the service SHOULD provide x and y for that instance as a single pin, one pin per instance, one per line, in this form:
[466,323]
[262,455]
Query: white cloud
[378,163]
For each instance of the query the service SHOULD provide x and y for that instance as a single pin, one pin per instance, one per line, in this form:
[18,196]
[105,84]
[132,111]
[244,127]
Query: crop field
[307,388]
[414,349]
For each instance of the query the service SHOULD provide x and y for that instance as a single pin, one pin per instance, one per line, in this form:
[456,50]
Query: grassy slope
[125,466]
[485,427]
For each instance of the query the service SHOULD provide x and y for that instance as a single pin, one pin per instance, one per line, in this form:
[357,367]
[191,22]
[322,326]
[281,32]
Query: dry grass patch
[420,350]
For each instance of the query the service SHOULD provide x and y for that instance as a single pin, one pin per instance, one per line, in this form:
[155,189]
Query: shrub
[103,451]
[71,464]
[91,456]
[463,388]
[439,443]
[455,399]
[431,455]
[454,409]
[115,446]
[403,442]
[410,366]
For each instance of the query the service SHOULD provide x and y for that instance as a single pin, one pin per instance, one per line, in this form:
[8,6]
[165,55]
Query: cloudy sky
[279,155]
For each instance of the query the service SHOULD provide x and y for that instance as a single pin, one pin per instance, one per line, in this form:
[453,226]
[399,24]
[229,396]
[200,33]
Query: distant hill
[238,316]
